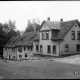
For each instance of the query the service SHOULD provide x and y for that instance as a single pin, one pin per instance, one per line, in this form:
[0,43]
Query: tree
[11,24]
[18,32]
[12,31]
[29,27]
[34,26]
[7,30]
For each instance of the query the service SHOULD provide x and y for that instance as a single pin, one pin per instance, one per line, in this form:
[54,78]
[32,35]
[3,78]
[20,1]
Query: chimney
[48,18]
[61,20]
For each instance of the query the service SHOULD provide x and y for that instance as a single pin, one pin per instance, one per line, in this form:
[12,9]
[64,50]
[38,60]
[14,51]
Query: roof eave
[57,39]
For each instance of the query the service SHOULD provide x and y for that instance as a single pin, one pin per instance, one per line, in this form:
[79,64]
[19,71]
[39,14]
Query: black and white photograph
[39,40]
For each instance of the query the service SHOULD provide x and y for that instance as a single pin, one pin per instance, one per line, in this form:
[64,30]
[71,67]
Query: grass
[38,69]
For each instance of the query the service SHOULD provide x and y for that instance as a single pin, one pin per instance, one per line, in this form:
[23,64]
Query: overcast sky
[21,11]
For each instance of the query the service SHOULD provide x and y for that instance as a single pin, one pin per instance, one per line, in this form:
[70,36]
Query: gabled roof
[53,24]
[12,42]
[36,38]
[27,39]
[65,27]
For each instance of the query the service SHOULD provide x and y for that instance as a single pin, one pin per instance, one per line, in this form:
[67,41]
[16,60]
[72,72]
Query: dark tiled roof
[53,24]
[65,27]
[60,31]
[27,39]
[36,38]
[12,42]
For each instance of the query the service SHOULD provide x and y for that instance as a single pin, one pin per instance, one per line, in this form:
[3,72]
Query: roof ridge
[71,20]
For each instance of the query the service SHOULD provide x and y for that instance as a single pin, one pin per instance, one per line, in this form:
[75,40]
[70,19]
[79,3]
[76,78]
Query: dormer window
[45,35]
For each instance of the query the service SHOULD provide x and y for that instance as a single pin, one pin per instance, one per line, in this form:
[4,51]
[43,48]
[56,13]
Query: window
[78,35]
[26,55]
[31,48]
[5,49]
[73,35]
[66,47]
[24,48]
[54,49]
[49,49]
[28,48]
[37,48]
[20,56]
[78,47]
[45,35]
[41,48]
[13,49]
[20,49]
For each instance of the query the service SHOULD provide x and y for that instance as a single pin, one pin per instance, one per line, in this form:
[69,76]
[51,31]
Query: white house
[58,38]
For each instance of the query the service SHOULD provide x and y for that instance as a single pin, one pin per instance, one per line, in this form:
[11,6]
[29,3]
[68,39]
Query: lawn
[39,69]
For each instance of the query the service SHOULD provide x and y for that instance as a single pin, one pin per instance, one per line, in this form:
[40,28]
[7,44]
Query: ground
[55,68]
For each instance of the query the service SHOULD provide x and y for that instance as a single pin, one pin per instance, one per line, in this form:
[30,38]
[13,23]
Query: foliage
[7,30]
[34,26]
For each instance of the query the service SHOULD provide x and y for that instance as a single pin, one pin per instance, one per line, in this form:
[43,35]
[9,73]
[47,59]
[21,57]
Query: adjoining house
[25,45]
[58,38]
[19,47]
[9,50]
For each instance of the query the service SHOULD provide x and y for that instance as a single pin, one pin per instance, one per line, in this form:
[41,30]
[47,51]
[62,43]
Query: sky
[22,11]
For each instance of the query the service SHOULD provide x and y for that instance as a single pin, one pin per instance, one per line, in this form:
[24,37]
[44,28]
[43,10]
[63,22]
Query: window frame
[41,46]
[53,49]
[45,35]
[24,48]
[72,34]
[20,56]
[48,48]
[37,48]
[77,47]
[66,48]
[13,49]
[19,49]
[31,48]
[28,48]
[78,36]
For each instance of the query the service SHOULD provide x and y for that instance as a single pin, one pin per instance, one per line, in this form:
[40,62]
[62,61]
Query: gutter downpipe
[38,50]
[15,53]
[59,50]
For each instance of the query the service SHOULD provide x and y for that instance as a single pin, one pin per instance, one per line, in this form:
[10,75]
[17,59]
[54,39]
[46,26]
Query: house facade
[9,50]
[19,48]
[58,38]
